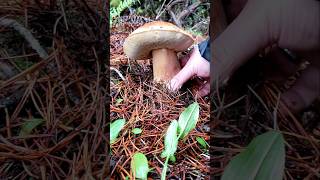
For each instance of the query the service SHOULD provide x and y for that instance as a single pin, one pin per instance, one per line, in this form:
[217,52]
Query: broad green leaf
[170,145]
[170,140]
[139,165]
[136,131]
[263,159]
[202,142]
[29,125]
[115,129]
[188,119]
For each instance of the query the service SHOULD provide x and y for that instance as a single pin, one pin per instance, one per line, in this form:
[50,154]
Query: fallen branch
[189,9]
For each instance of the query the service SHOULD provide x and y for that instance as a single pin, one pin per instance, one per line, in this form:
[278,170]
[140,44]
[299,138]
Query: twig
[261,101]
[26,34]
[64,15]
[118,72]
[188,11]
[275,124]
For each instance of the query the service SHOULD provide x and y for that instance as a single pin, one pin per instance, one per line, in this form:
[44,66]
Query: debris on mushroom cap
[156,35]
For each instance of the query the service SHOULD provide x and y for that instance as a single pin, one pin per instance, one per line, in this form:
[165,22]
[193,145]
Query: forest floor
[52,98]
[246,108]
[150,106]
[54,108]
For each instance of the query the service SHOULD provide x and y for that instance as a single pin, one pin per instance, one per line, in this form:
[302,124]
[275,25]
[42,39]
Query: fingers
[195,65]
[271,22]
[241,40]
[205,90]
[184,60]
[278,66]
[178,80]
[305,90]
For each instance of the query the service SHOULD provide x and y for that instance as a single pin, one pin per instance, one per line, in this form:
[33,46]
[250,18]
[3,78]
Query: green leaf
[172,159]
[139,165]
[29,125]
[170,140]
[115,129]
[114,3]
[170,145]
[136,131]
[264,159]
[188,119]
[118,101]
[202,142]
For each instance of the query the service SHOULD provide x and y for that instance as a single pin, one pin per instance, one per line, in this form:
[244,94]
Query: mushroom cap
[156,35]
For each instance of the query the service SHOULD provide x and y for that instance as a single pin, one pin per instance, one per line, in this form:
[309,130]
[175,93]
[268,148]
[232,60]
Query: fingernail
[172,85]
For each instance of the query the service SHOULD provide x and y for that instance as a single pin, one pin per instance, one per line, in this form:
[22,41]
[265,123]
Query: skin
[256,25]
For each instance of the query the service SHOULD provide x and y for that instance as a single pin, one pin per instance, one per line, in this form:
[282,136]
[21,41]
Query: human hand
[285,24]
[193,65]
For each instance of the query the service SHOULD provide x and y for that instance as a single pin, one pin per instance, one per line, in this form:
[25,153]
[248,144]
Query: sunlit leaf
[202,142]
[170,140]
[136,131]
[139,165]
[264,159]
[170,145]
[114,3]
[188,119]
[115,129]
[29,125]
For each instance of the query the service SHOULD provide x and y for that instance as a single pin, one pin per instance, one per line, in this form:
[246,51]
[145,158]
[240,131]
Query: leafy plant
[115,129]
[264,158]
[188,120]
[29,125]
[136,131]
[202,142]
[170,145]
[139,165]
[119,6]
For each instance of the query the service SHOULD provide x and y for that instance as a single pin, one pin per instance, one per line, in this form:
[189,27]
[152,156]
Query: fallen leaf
[202,142]
[115,129]
[139,165]
[29,125]
[136,131]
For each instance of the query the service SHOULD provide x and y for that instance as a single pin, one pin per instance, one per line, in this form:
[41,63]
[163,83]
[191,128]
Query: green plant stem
[164,170]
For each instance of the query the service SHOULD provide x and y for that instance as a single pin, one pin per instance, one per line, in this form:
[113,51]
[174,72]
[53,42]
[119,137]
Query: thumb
[185,74]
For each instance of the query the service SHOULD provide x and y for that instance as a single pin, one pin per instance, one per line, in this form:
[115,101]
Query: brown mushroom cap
[156,35]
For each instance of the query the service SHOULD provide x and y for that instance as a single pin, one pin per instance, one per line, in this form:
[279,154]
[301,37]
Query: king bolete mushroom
[160,41]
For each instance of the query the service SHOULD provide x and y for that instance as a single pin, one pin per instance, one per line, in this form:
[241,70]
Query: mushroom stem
[165,65]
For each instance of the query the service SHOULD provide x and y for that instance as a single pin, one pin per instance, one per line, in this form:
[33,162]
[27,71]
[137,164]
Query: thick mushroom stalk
[165,65]
[160,41]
